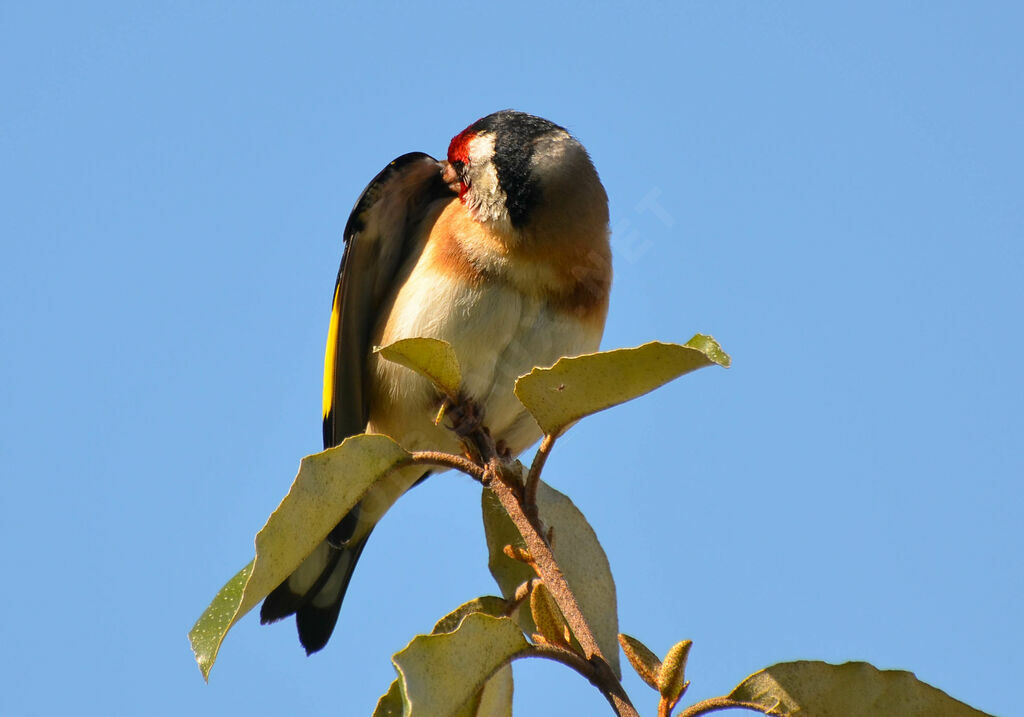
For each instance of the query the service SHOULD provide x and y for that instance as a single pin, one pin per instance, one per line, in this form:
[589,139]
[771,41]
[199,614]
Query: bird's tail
[314,592]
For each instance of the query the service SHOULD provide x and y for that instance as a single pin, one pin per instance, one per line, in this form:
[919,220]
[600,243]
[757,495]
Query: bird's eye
[459,167]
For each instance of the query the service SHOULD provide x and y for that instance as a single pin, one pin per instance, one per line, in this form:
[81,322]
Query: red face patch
[458,155]
[458,149]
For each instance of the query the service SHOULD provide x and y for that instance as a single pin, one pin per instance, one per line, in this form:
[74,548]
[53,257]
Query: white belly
[498,334]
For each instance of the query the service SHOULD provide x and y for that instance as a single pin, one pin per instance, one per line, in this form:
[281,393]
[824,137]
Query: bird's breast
[503,309]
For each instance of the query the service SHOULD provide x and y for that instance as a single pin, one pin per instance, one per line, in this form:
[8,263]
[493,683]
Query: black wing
[377,241]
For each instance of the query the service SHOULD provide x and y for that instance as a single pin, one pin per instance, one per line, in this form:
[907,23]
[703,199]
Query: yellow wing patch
[332,352]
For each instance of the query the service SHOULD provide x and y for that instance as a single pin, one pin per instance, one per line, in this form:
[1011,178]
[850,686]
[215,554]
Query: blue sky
[834,192]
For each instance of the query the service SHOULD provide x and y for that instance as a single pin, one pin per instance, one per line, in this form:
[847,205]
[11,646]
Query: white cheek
[485,197]
[481,150]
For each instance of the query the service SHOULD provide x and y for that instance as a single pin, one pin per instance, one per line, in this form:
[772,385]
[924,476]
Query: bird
[503,250]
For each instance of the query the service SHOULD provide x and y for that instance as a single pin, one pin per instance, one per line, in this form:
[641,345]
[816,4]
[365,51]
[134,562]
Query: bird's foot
[467,417]
[503,451]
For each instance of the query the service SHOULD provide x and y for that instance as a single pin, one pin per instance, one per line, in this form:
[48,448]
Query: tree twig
[533,478]
[719,703]
[617,698]
[550,572]
[448,460]
[512,495]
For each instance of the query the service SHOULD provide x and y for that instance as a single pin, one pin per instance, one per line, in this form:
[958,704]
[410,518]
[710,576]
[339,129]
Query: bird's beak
[449,176]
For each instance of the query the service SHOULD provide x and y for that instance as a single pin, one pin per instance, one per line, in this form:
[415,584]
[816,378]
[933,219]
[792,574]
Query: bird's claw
[503,450]
[466,417]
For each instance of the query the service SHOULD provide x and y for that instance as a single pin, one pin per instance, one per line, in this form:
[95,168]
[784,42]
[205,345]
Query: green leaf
[440,674]
[209,630]
[390,704]
[578,553]
[672,675]
[488,605]
[643,660]
[577,387]
[494,699]
[548,617]
[854,689]
[327,486]
[432,358]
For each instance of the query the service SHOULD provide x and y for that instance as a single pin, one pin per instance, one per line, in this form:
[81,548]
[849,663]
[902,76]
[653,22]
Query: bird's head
[510,168]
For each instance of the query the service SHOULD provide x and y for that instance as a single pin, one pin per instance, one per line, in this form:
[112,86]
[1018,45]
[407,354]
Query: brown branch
[616,696]
[548,568]
[448,460]
[533,478]
[510,492]
[720,703]
[549,571]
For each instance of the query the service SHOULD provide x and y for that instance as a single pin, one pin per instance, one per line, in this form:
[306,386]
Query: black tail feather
[315,622]
[282,601]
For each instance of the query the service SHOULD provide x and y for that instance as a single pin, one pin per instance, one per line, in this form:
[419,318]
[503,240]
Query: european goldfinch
[503,251]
